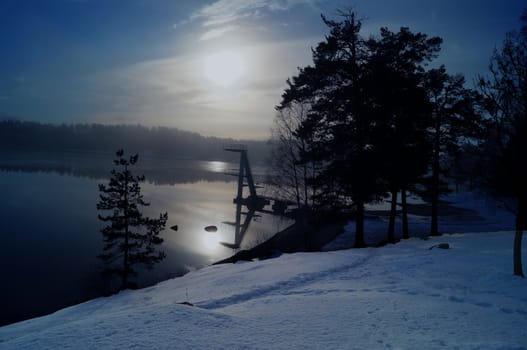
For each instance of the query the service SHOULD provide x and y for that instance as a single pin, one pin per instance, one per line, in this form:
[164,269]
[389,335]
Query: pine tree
[337,123]
[129,237]
[454,122]
[400,108]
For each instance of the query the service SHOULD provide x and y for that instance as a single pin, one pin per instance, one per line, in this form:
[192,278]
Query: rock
[211,228]
[440,246]
[187,303]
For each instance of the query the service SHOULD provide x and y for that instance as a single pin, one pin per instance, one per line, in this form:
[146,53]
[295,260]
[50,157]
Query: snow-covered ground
[470,212]
[402,296]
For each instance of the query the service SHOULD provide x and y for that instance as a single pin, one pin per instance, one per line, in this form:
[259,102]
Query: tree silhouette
[506,101]
[454,121]
[401,110]
[338,122]
[129,237]
[368,115]
[292,178]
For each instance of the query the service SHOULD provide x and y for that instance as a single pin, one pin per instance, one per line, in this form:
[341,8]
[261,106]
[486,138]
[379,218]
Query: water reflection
[216,166]
[192,206]
[210,241]
[51,236]
[158,170]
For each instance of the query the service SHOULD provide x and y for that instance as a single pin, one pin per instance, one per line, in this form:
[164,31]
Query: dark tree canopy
[338,122]
[368,113]
[454,121]
[401,110]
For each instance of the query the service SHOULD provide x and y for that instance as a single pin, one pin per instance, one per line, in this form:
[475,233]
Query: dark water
[51,236]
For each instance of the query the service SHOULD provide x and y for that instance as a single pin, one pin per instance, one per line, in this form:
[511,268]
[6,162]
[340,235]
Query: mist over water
[51,235]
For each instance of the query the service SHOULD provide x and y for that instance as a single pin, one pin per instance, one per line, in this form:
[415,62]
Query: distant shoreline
[22,136]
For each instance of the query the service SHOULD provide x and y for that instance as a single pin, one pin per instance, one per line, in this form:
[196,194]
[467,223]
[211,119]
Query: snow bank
[402,296]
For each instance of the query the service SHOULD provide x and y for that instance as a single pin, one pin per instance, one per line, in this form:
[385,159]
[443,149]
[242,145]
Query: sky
[214,67]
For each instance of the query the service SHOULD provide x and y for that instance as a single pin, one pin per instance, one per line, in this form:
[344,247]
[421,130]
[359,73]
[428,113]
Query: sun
[224,68]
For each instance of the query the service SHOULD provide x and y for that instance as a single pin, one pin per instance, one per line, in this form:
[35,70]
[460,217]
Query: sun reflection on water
[216,166]
[211,241]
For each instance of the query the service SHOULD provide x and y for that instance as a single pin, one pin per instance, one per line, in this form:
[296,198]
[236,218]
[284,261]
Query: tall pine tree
[338,122]
[454,122]
[400,108]
[129,237]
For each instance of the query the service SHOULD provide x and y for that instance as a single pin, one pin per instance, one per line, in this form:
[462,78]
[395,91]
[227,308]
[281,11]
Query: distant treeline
[32,136]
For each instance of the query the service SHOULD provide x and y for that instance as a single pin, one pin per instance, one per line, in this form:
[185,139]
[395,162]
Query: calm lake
[50,233]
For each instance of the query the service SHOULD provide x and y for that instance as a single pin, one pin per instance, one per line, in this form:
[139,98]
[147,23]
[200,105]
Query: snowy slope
[402,296]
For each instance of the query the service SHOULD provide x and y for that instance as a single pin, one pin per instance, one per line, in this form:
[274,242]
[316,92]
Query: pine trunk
[521,220]
[393,212]
[297,186]
[518,269]
[305,186]
[404,214]
[434,228]
[359,225]
[126,234]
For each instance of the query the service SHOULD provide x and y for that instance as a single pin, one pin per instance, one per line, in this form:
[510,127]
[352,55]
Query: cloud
[217,32]
[226,11]
[173,91]
[222,14]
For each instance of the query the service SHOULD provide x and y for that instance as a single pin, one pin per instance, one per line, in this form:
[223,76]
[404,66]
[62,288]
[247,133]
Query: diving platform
[253,202]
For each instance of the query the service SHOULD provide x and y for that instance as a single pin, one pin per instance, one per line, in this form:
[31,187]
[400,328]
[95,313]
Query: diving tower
[253,202]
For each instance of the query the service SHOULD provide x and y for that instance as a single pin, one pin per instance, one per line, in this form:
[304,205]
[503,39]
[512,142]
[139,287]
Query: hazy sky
[215,67]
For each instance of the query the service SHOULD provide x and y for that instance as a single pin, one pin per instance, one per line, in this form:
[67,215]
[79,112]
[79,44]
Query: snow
[471,212]
[400,296]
